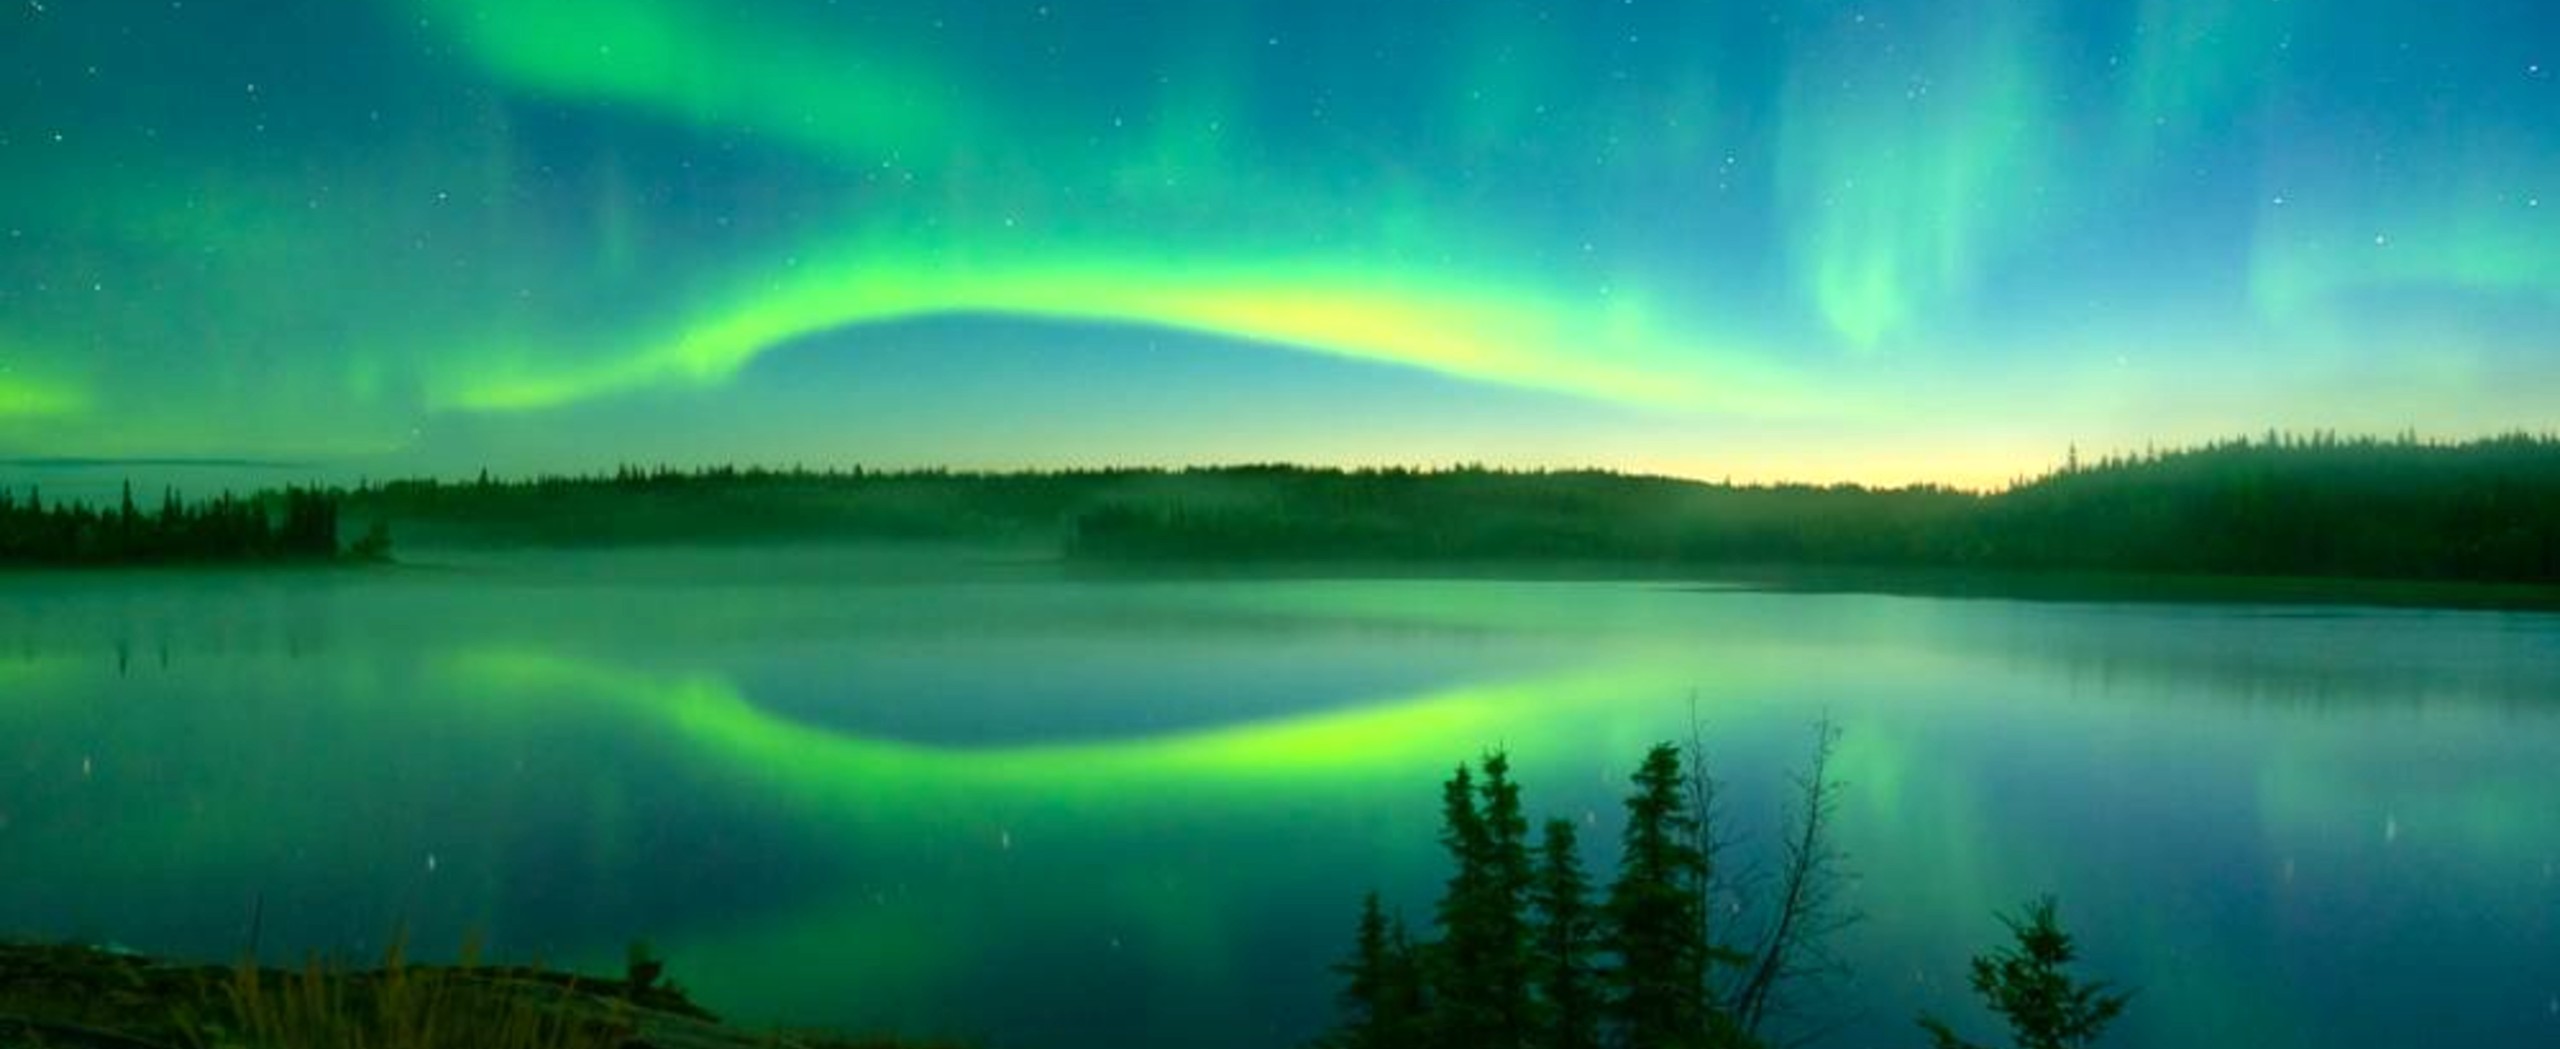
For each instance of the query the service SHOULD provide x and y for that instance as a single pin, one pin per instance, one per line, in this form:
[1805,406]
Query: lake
[992,800]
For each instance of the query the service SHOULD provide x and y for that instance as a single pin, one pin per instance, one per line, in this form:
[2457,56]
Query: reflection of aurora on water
[2222,839]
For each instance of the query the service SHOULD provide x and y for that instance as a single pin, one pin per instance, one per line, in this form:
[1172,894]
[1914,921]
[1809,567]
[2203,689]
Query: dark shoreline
[2073,587]
[2132,588]
[2066,587]
[73,996]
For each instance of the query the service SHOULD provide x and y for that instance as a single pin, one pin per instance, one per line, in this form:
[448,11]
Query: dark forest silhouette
[1528,955]
[2308,506]
[1523,951]
[296,524]
[2484,511]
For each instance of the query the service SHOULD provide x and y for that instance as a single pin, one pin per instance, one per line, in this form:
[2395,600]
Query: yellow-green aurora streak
[1487,332]
[1852,242]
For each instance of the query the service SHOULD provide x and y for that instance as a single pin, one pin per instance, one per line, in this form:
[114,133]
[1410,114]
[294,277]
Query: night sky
[1877,241]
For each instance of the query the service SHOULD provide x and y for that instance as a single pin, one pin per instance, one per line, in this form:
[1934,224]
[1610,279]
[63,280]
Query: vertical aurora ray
[1911,150]
[2196,63]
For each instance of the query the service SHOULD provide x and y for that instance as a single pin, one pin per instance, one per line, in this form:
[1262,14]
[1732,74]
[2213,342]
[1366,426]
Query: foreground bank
[79,997]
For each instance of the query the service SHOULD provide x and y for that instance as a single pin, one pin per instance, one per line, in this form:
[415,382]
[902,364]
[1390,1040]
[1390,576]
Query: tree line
[2479,511]
[644,504]
[1523,951]
[295,524]
[2277,505]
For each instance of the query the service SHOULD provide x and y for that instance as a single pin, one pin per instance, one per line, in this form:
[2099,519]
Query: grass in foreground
[74,997]
[402,1007]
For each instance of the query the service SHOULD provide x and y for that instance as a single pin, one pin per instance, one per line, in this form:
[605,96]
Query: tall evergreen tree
[1381,993]
[1506,888]
[1467,1000]
[1655,923]
[128,524]
[1404,1002]
[1455,962]
[1562,962]
[1480,973]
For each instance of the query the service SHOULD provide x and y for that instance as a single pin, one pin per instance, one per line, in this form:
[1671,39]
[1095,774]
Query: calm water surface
[986,800]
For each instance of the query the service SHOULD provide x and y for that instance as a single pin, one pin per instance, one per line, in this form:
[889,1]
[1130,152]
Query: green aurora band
[1459,329]
[368,225]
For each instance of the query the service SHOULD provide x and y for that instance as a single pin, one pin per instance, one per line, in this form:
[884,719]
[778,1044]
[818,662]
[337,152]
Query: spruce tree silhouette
[1655,925]
[2046,1007]
[1381,994]
[1563,960]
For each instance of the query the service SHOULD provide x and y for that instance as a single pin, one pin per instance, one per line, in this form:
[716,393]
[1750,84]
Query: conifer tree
[1405,1004]
[2046,1008]
[1381,992]
[1655,925]
[1478,991]
[1455,961]
[1506,886]
[1562,963]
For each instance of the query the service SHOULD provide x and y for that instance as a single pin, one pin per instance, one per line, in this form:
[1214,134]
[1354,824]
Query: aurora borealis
[1876,241]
